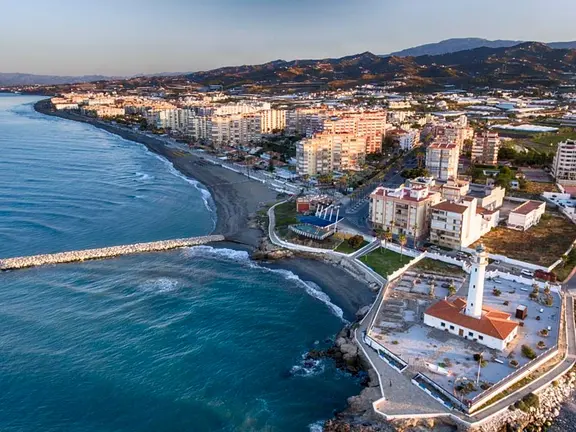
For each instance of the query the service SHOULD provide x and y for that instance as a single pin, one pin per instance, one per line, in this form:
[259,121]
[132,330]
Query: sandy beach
[237,199]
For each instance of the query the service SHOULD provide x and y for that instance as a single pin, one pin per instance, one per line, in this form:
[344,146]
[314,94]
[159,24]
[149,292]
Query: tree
[356,241]
[379,233]
[402,239]
[387,236]
[271,167]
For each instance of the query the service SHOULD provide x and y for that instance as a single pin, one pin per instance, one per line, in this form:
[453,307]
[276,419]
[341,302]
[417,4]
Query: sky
[128,37]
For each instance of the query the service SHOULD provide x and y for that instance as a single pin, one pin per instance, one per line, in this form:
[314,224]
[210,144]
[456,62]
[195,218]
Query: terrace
[399,327]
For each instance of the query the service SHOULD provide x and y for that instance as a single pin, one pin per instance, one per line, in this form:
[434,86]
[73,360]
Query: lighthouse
[476,285]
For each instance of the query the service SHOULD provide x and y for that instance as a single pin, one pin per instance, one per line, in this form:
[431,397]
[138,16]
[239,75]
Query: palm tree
[379,233]
[414,232]
[402,239]
[387,236]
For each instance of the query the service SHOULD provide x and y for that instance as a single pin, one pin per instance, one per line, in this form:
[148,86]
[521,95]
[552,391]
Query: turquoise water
[198,339]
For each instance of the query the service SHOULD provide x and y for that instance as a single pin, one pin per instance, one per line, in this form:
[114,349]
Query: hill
[460,44]
[23,79]
[528,63]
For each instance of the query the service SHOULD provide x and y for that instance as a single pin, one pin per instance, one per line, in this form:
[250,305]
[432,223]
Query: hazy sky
[125,37]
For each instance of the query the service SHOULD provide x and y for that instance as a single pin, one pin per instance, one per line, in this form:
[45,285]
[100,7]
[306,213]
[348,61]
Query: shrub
[544,332]
[549,301]
[555,383]
[451,290]
[541,345]
[533,295]
[528,352]
[356,241]
[531,400]
[514,363]
[395,342]
[496,292]
[506,303]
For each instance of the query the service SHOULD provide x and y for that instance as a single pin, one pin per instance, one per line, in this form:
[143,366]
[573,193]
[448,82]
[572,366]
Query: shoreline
[237,199]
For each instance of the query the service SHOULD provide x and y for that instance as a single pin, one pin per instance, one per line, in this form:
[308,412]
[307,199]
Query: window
[480,337]
[451,327]
[470,334]
[442,324]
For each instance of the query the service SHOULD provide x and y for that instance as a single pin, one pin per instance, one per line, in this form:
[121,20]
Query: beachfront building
[102,111]
[442,160]
[273,120]
[325,153]
[371,125]
[564,166]
[485,147]
[235,130]
[526,215]
[469,318]
[457,225]
[404,210]
[176,119]
[305,121]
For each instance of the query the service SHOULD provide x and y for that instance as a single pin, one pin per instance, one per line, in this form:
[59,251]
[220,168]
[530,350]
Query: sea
[196,339]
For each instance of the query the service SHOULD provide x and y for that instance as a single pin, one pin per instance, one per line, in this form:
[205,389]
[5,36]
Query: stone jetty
[106,252]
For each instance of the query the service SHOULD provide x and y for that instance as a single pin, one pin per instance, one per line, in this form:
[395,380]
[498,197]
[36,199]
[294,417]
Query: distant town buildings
[485,147]
[442,160]
[564,165]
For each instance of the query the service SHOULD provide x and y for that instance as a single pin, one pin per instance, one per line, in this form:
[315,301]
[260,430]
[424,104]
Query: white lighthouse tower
[476,285]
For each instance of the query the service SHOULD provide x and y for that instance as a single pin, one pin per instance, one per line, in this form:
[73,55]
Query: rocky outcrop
[268,252]
[538,418]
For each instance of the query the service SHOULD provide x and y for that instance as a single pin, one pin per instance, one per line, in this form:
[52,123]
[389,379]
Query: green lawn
[384,261]
[345,247]
[285,214]
[428,264]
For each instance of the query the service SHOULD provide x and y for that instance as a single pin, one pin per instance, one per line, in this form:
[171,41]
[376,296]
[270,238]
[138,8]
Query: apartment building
[485,147]
[371,125]
[403,210]
[453,133]
[526,215]
[459,224]
[241,108]
[102,111]
[442,160]
[564,166]
[305,121]
[235,130]
[407,140]
[273,120]
[325,153]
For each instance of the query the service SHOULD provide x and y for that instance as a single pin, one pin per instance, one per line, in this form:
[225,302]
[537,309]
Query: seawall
[106,252]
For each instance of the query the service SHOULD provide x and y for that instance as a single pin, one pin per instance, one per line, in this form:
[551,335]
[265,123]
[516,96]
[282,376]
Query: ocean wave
[307,367]
[160,285]
[243,257]
[144,176]
[204,193]
[317,426]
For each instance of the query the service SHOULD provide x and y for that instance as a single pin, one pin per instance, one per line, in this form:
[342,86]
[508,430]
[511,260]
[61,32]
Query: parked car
[527,272]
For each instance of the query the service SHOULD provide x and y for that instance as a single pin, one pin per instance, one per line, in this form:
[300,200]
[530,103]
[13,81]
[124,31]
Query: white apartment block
[458,225]
[407,140]
[273,120]
[404,210]
[174,119]
[236,130]
[442,160]
[526,215]
[325,153]
[564,166]
[453,133]
[102,111]
[241,108]
[485,147]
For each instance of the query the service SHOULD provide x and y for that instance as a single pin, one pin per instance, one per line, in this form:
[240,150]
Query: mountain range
[458,62]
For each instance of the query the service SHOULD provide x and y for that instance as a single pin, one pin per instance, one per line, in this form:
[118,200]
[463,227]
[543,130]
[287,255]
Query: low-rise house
[526,215]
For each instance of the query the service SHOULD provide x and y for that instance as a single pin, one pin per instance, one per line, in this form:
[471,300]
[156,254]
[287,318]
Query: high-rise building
[371,125]
[325,153]
[235,130]
[403,210]
[442,160]
[564,166]
[485,147]
[273,120]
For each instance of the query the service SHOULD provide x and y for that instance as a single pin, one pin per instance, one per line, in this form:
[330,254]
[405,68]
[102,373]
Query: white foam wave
[162,285]
[317,426]
[243,257]
[307,367]
[144,176]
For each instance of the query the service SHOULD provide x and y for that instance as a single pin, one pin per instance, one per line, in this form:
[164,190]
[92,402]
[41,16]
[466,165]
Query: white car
[527,272]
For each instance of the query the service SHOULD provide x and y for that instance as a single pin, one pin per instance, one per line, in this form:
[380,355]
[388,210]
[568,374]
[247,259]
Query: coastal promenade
[106,252]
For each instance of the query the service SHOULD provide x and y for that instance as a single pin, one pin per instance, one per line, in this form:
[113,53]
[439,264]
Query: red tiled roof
[450,207]
[527,207]
[494,323]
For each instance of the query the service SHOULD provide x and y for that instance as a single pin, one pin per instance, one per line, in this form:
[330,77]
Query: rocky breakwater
[266,251]
[536,412]
[106,252]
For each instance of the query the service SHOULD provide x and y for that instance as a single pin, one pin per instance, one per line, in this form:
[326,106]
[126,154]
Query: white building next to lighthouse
[469,318]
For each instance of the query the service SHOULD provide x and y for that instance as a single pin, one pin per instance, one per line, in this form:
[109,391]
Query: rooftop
[492,323]
[442,146]
[450,207]
[528,206]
